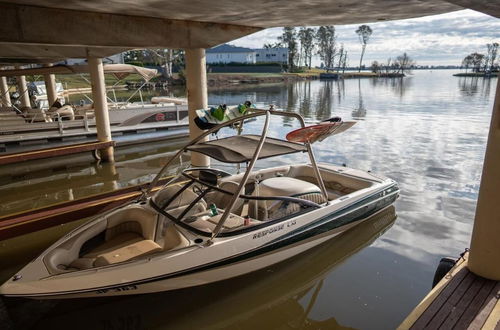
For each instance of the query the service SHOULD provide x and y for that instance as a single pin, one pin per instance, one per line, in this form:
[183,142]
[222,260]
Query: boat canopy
[241,148]
[120,71]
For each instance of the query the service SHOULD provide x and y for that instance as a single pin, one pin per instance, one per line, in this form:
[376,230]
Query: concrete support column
[4,93]
[50,86]
[484,254]
[196,83]
[22,89]
[100,106]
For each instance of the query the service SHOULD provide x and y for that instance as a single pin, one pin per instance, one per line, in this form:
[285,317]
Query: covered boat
[208,225]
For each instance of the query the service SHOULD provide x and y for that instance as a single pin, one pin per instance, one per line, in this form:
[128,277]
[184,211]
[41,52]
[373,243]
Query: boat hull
[272,251]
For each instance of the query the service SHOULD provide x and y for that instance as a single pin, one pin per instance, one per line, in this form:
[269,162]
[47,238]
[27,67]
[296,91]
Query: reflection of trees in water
[471,86]
[325,100]
[398,85]
[360,110]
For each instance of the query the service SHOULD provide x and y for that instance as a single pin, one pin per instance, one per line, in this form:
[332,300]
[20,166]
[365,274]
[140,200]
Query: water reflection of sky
[427,131]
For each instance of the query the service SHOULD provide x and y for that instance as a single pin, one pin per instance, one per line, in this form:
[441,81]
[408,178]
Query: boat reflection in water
[279,297]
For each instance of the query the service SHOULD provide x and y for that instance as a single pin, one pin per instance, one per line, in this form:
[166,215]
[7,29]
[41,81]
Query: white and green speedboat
[208,225]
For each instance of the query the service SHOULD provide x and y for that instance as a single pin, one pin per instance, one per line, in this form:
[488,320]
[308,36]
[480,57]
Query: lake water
[427,131]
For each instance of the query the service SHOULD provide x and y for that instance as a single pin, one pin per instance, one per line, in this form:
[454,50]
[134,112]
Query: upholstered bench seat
[127,252]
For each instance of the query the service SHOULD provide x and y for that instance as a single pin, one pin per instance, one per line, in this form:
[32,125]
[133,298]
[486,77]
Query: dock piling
[100,106]
[196,83]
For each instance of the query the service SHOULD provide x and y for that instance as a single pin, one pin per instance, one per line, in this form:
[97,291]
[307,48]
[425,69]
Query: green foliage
[326,41]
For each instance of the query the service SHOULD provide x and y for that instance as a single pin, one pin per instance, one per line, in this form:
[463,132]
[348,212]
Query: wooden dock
[54,152]
[462,300]
[33,220]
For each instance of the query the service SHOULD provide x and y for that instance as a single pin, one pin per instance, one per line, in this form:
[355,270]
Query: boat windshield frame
[251,113]
[306,205]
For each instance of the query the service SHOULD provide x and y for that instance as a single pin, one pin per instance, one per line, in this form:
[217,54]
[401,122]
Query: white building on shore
[230,54]
[233,54]
[272,55]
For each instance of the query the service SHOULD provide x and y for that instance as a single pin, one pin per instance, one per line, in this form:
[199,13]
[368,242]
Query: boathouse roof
[46,30]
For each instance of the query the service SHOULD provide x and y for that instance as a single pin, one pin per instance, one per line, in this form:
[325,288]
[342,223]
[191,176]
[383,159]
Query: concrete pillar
[4,91]
[22,89]
[100,106]
[50,87]
[484,254]
[196,82]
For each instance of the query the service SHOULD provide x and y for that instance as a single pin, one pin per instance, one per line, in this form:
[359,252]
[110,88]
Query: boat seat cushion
[132,219]
[116,242]
[173,239]
[282,186]
[127,252]
[285,186]
[82,263]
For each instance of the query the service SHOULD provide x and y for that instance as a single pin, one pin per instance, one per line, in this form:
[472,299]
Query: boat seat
[186,197]
[282,186]
[173,239]
[224,199]
[127,252]
[116,242]
[134,219]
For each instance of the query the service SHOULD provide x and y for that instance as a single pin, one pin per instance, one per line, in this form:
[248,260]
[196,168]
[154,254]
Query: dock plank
[488,305]
[435,306]
[465,303]
[449,305]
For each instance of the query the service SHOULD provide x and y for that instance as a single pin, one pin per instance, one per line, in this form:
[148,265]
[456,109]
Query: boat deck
[467,301]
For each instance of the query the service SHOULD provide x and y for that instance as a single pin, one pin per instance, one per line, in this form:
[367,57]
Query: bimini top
[120,71]
[241,148]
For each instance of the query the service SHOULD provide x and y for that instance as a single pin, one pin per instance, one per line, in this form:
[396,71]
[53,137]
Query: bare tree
[327,45]
[404,63]
[467,62]
[288,38]
[364,32]
[492,55]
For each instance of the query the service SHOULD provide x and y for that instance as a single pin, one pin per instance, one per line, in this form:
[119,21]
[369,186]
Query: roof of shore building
[226,48]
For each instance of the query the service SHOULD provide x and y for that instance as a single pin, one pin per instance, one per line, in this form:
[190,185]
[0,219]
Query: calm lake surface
[426,131]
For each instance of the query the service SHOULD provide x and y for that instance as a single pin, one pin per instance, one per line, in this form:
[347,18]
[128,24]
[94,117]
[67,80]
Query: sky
[432,40]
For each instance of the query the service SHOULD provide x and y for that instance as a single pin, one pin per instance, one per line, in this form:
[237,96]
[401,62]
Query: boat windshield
[198,197]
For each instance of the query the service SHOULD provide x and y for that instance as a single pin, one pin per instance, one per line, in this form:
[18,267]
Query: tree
[306,37]
[404,63]
[327,45]
[492,55]
[270,45]
[364,32]
[288,38]
[342,58]
[467,62]
[376,67]
[477,61]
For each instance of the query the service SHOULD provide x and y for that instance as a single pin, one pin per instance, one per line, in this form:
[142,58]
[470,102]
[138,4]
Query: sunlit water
[426,131]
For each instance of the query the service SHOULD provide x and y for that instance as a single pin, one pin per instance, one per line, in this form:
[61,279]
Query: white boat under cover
[208,225]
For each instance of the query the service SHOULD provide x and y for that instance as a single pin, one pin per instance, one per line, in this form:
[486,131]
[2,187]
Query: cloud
[439,39]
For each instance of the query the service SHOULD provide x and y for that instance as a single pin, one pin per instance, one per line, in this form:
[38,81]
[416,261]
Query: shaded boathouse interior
[106,29]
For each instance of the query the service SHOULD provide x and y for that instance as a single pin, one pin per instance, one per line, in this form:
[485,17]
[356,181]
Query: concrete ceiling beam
[30,25]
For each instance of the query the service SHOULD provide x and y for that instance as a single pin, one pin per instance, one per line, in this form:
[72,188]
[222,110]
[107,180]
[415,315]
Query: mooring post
[196,82]
[4,90]
[50,87]
[484,253]
[22,89]
[100,106]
